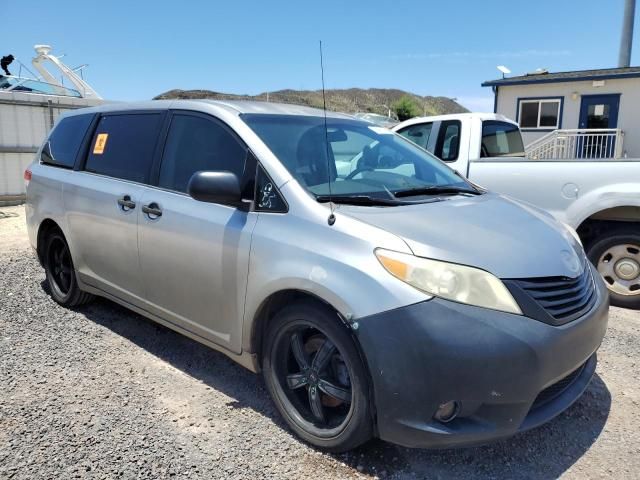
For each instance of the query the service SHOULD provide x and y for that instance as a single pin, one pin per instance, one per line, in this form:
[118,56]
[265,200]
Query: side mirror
[215,187]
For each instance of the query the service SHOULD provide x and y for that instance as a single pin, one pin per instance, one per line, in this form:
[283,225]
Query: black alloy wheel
[60,272]
[316,377]
[60,266]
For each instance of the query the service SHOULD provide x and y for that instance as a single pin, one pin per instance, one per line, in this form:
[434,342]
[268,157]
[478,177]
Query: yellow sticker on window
[101,142]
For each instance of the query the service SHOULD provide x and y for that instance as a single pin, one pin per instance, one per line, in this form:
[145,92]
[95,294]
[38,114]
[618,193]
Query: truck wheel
[616,255]
[316,377]
[60,272]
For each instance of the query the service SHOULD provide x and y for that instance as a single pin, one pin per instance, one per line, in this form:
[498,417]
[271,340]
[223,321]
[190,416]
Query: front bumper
[496,365]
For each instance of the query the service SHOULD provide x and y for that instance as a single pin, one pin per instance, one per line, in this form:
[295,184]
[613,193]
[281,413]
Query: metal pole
[626,41]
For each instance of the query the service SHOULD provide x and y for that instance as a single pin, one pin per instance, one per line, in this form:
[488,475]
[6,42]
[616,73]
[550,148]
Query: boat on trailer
[29,107]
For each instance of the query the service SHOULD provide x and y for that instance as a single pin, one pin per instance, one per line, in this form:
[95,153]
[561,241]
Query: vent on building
[539,71]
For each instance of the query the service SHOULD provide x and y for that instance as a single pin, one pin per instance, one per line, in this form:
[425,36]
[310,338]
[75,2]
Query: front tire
[60,272]
[616,255]
[316,377]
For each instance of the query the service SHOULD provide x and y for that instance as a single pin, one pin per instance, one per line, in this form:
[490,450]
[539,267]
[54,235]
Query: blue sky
[138,49]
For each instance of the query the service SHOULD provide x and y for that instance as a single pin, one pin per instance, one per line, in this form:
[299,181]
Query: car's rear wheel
[617,257]
[60,272]
[316,377]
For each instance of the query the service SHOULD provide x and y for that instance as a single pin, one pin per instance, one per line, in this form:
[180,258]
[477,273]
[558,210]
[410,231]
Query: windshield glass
[363,159]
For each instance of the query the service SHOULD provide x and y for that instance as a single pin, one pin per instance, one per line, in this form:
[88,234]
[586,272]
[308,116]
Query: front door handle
[152,210]
[126,203]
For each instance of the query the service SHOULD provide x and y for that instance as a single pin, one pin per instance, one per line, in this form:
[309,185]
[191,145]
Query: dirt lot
[100,392]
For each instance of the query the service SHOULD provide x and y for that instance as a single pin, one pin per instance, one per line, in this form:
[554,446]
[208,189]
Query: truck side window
[448,145]
[195,143]
[501,139]
[61,148]
[123,146]
[418,134]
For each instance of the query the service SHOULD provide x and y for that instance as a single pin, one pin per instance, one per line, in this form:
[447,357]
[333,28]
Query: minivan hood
[489,231]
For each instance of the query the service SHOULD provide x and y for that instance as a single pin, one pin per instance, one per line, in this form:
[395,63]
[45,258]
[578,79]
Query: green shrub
[406,108]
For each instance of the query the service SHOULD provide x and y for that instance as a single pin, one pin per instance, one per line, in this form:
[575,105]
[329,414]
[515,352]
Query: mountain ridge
[348,100]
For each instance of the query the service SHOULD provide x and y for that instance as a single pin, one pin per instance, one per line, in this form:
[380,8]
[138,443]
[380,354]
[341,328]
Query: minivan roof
[233,106]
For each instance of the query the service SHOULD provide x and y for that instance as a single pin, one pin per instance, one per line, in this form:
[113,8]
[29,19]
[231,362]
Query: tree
[406,108]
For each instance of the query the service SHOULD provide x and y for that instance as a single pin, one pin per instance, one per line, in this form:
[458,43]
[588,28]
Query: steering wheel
[364,168]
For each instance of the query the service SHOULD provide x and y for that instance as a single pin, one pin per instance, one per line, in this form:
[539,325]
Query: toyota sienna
[379,292]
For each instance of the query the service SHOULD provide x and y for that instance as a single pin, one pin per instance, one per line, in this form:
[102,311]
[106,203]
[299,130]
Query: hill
[374,100]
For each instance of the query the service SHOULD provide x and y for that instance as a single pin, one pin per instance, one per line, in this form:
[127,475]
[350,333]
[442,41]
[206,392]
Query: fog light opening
[447,411]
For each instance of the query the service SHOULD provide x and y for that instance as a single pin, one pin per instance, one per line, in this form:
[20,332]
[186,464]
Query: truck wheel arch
[609,219]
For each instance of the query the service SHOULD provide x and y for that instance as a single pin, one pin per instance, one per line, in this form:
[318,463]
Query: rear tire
[60,272]
[616,255]
[316,377]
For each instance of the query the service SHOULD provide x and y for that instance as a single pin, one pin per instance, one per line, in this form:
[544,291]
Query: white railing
[588,144]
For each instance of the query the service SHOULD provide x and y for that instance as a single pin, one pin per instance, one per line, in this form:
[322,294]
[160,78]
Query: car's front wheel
[317,378]
[60,272]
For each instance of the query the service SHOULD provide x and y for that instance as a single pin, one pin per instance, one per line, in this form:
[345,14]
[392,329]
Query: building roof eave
[564,77]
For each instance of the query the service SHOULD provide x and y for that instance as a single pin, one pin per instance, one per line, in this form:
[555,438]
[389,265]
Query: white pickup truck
[598,198]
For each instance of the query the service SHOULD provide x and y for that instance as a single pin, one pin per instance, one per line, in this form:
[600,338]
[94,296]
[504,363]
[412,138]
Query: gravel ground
[100,392]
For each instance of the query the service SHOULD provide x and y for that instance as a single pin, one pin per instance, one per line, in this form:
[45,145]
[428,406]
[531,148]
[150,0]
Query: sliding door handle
[126,203]
[152,210]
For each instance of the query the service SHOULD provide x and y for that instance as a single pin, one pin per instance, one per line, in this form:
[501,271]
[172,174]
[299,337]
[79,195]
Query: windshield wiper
[435,190]
[359,200]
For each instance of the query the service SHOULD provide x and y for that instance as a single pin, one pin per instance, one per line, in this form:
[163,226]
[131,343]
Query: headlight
[449,280]
[572,232]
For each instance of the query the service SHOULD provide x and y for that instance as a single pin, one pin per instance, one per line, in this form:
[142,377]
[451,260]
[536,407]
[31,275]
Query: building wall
[25,120]
[628,118]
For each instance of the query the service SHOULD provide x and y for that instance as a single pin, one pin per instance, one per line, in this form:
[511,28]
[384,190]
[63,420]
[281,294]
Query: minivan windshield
[357,159]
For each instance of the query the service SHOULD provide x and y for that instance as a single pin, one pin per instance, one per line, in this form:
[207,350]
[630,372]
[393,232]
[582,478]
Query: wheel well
[46,226]
[610,220]
[272,305]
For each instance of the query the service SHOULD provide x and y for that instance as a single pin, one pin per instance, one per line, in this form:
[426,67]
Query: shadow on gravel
[542,453]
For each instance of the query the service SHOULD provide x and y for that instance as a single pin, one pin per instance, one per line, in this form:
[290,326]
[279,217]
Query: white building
[579,114]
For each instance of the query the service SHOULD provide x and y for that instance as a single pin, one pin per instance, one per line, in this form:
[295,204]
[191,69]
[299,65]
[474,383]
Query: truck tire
[616,255]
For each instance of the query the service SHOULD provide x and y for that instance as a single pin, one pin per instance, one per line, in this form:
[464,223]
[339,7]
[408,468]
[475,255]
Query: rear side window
[418,134]
[448,144]
[500,139]
[123,146]
[62,146]
[197,144]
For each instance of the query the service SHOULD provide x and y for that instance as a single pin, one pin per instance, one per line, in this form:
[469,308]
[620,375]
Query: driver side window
[195,143]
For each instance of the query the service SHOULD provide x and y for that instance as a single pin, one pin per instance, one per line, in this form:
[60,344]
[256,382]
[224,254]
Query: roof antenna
[332,218]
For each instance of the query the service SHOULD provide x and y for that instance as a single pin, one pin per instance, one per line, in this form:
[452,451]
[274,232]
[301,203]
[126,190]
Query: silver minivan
[379,292]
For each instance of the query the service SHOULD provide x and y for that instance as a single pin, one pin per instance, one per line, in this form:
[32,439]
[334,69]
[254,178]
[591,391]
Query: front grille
[564,299]
[555,390]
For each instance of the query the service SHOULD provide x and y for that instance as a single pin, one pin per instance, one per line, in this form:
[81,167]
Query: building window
[540,113]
